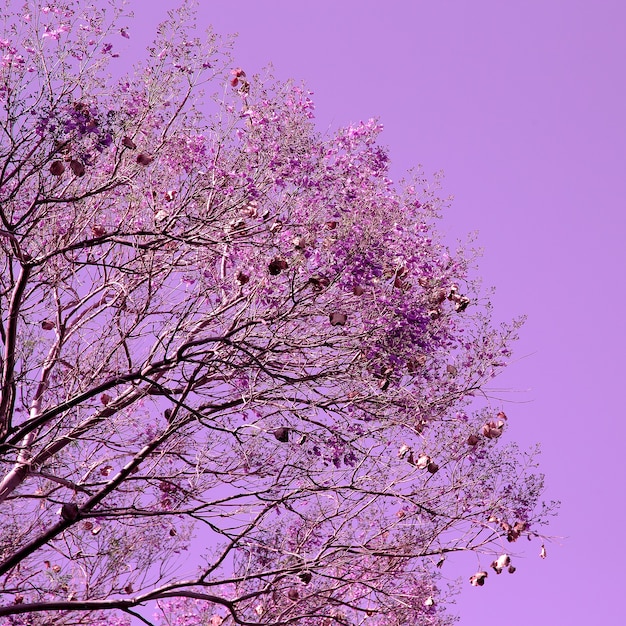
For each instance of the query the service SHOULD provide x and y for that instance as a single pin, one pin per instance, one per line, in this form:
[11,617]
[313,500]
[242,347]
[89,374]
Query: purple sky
[522,104]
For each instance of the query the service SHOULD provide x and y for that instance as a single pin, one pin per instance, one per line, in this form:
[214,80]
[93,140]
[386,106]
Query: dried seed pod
[242,278]
[338,319]
[78,169]
[305,577]
[438,296]
[423,460]
[493,429]
[478,579]
[47,325]
[432,467]
[127,142]
[502,562]
[282,434]
[520,527]
[299,243]
[69,512]
[472,440]
[293,594]
[277,265]
[143,158]
[319,282]
[462,304]
[57,168]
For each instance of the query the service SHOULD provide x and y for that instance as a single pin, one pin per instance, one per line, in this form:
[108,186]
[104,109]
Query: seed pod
[299,243]
[78,169]
[478,579]
[432,467]
[127,142]
[242,278]
[462,304]
[423,460]
[472,440]
[493,429]
[47,325]
[319,282]
[143,158]
[277,265]
[338,319]
[57,168]
[282,434]
[69,512]
[502,562]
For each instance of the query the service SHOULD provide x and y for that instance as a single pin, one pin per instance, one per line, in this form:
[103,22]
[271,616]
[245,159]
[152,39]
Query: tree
[223,332]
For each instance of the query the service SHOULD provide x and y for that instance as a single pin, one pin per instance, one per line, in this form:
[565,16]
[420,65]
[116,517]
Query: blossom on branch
[218,327]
